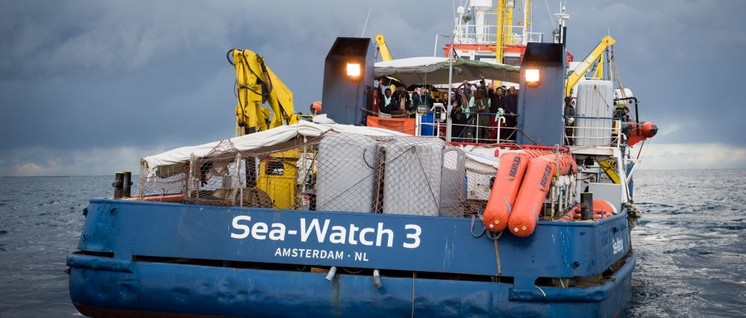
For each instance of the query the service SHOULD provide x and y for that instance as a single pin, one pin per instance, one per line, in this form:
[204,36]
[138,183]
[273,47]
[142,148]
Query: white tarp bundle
[434,70]
[272,138]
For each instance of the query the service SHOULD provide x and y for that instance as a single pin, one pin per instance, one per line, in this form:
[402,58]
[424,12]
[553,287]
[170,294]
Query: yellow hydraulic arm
[255,85]
[586,64]
[385,54]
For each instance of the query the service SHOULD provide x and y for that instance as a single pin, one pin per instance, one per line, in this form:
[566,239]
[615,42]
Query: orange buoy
[603,208]
[640,132]
[505,188]
[315,108]
[571,214]
[534,188]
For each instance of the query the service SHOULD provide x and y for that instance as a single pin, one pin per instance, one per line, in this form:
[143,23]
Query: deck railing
[593,131]
[475,130]
[585,130]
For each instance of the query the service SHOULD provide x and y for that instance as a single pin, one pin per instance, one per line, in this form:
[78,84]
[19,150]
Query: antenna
[549,11]
[454,9]
[366,22]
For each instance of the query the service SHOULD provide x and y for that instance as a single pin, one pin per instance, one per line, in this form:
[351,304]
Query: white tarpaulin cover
[434,70]
[275,137]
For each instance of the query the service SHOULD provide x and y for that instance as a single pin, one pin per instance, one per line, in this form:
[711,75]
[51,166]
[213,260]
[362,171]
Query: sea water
[691,243]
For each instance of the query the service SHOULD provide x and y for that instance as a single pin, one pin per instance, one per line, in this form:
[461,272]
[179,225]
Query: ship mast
[501,22]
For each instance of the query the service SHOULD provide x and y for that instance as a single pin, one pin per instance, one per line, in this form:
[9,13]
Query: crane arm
[255,85]
[586,64]
[385,53]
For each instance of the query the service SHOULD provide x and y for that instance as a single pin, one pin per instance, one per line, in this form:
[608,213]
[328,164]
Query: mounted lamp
[353,70]
[533,77]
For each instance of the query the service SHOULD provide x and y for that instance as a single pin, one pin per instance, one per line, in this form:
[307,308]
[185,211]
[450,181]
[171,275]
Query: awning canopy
[276,138]
[434,70]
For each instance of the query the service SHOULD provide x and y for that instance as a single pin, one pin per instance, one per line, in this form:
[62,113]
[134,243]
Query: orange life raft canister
[536,182]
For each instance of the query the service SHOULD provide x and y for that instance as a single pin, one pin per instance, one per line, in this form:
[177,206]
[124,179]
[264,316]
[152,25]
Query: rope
[473,218]
[595,89]
[542,291]
[497,258]
[527,136]
[616,73]
[497,253]
[642,145]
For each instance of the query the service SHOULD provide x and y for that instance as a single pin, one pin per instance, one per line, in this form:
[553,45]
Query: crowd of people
[404,103]
[477,109]
[475,113]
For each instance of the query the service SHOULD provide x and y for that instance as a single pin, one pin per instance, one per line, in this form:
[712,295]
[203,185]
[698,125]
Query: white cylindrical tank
[453,182]
[594,108]
[412,177]
[346,173]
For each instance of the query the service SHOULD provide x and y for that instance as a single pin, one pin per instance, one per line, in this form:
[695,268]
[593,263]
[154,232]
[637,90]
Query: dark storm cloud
[100,74]
[87,76]
[683,59]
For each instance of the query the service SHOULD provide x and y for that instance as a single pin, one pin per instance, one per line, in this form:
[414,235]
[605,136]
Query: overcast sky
[89,87]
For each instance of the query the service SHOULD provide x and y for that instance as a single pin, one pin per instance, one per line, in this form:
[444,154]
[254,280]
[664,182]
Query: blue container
[427,126]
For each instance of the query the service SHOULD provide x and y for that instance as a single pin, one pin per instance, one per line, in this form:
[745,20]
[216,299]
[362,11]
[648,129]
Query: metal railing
[468,33]
[585,130]
[479,128]
[593,131]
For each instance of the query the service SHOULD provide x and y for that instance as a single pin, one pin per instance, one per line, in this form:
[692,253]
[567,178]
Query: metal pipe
[332,272]
[586,206]
[118,185]
[377,278]
[449,120]
[127,184]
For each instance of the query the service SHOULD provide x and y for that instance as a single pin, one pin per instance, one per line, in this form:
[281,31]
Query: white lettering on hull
[323,231]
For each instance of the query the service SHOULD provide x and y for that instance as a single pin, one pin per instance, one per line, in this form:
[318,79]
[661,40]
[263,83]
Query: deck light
[532,77]
[353,70]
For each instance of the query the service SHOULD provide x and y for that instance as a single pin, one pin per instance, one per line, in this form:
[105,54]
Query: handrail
[470,131]
[594,131]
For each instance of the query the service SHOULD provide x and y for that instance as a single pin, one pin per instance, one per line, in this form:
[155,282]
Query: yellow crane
[385,54]
[255,85]
[588,61]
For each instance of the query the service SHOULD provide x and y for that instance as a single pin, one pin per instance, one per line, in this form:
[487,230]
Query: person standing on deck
[421,97]
[385,101]
[479,104]
[569,121]
[511,113]
[460,115]
[497,105]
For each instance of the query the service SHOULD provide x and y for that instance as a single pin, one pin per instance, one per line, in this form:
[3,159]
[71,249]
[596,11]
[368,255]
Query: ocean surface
[691,243]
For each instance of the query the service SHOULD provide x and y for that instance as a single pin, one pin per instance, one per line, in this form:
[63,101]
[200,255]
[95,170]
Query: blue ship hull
[166,259]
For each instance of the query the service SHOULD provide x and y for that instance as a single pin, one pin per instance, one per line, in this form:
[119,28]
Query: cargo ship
[333,217]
